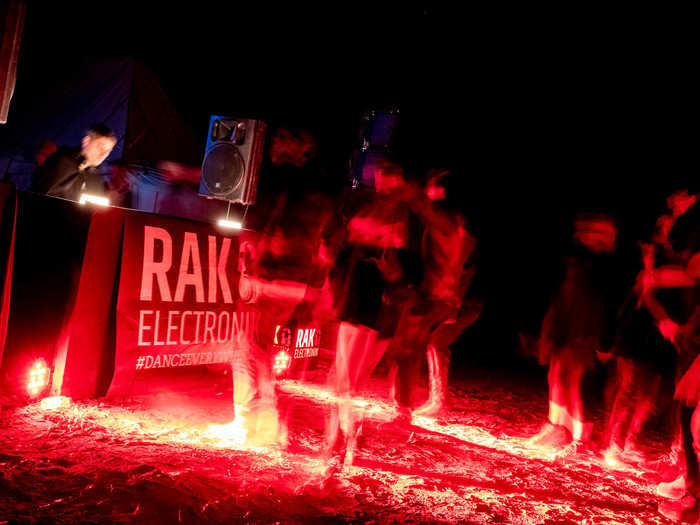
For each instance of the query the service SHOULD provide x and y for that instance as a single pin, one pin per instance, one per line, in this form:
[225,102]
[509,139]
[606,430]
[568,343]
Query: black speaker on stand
[232,159]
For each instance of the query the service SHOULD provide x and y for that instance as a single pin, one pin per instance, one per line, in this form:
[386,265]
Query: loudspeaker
[232,159]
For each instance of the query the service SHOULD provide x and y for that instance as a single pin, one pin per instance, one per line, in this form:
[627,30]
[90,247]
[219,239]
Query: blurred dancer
[682,328]
[377,270]
[675,306]
[283,271]
[643,358]
[441,312]
[571,334]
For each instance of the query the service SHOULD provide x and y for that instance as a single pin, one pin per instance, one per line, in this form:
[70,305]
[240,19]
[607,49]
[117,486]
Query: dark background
[539,113]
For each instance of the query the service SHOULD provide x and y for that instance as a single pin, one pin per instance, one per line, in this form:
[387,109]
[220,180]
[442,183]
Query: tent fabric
[155,131]
[121,92]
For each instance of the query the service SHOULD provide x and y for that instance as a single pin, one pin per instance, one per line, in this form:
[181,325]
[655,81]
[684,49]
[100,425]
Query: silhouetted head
[596,231]
[436,185]
[680,202]
[685,233]
[388,175]
[97,144]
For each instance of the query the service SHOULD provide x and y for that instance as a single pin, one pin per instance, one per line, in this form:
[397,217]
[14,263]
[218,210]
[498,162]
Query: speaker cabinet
[232,159]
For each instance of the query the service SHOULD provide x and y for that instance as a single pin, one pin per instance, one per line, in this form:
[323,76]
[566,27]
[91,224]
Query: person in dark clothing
[643,358]
[441,312]
[681,327]
[69,172]
[283,274]
[572,331]
[376,273]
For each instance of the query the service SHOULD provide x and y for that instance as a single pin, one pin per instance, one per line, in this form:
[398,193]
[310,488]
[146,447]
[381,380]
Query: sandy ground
[157,459]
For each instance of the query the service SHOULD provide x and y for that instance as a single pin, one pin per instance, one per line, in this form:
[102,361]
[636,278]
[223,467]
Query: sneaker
[675,489]
[550,435]
[569,450]
[544,433]
[402,417]
[613,455]
[429,409]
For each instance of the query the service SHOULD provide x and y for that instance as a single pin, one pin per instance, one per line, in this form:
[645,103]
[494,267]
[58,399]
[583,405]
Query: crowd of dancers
[392,266]
[654,347]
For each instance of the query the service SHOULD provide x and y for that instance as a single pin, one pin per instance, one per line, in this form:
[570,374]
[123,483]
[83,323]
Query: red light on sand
[38,377]
[51,403]
[610,460]
[282,361]
[231,434]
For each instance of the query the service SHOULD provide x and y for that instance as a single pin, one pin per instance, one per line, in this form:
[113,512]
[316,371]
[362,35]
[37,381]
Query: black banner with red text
[178,300]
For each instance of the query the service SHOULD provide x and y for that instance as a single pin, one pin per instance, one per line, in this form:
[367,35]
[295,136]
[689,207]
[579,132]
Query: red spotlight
[38,377]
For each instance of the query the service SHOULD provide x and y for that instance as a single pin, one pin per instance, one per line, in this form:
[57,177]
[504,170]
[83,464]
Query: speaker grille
[223,169]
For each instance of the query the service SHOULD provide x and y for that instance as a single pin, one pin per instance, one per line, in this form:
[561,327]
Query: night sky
[539,113]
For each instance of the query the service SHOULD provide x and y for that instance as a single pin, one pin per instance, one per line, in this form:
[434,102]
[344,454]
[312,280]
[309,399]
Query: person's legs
[676,456]
[570,414]
[689,429]
[672,463]
[554,432]
[438,372]
[357,354]
[557,393]
[392,379]
[373,349]
[256,420]
[408,369]
[693,472]
[647,386]
[244,376]
[405,352]
[680,487]
[619,419]
[347,343]
[576,424]
[439,355]
[263,423]
[685,489]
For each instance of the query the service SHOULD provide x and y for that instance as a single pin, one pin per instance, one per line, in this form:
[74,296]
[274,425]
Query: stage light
[225,223]
[93,199]
[38,377]
[50,403]
[282,361]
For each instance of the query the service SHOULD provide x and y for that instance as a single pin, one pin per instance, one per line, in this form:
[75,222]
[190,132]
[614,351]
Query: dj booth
[109,301]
